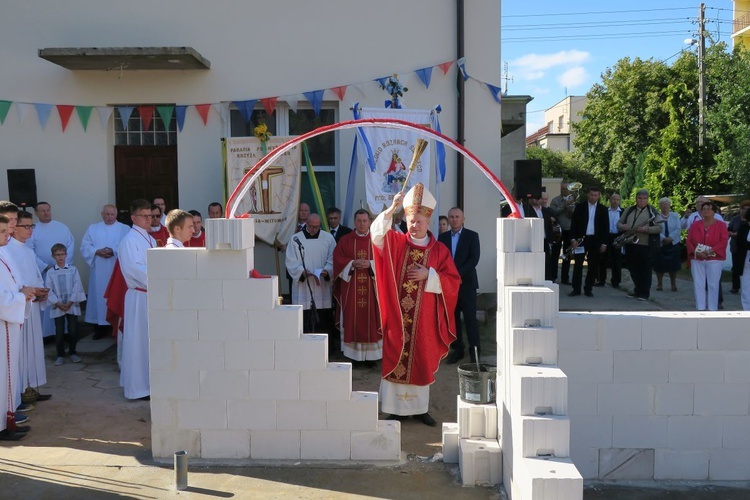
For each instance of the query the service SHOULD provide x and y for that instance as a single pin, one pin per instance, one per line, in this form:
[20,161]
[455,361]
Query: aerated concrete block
[175,384]
[255,415]
[450,443]
[166,441]
[160,298]
[530,306]
[332,384]
[200,355]
[163,412]
[358,413]
[681,464]
[229,234]
[222,325]
[172,263]
[669,331]
[534,346]
[520,269]
[172,325]
[225,265]
[253,355]
[520,235]
[280,323]
[381,444]
[301,415]
[480,461]
[626,464]
[310,352]
[202,414]
[325,445]
[547,478]
[542,436]
[475,420]
[250,294]
[274,445]
[225,444]
[196,295]
[223,385]
[538,390]
[161,354]
[274,385]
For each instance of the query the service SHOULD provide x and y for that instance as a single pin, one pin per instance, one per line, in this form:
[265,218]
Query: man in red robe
[354,290]
[417,284]
[157,230]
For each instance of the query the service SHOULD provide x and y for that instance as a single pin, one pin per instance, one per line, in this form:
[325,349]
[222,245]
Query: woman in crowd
[743,256]
[707,248]
[668,259]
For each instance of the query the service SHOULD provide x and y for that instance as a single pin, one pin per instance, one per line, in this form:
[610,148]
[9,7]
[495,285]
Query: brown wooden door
[146,172]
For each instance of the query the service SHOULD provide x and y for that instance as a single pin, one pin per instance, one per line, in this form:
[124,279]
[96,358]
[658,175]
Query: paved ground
[90,442]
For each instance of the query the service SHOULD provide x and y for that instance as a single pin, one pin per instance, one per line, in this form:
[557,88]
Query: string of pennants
[246,107]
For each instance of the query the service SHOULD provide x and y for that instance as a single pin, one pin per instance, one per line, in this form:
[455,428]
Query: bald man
[99,250]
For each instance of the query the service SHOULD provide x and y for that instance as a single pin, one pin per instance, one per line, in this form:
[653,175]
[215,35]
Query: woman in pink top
[707,247]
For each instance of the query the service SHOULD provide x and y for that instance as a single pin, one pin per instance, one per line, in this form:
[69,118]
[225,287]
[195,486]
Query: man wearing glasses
[158,230]
[134,377]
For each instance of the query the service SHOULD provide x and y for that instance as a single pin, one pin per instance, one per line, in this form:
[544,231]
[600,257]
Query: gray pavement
[90,442]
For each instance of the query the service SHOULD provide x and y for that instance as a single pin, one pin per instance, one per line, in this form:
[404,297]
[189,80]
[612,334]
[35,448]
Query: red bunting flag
[203,110]
[269,104]
[339,91]
[65,111]
[445,66]
[147,113]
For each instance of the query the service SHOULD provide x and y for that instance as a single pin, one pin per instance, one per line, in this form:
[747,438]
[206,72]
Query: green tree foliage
[640,127]
[562,164]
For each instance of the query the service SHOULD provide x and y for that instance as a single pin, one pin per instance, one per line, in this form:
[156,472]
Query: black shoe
[426,419]
[454,357]
[573,293]
[145,398]
[631,294]
[23,429]
[588,293]
[617,286]
[7,435]
[396,417]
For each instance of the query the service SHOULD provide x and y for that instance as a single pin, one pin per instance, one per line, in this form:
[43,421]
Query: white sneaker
[75,358]
[59,361]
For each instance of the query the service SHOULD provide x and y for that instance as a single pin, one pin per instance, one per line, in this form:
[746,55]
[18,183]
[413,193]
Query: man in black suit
[535,209]
[464,246]
[334,224]
[590,222]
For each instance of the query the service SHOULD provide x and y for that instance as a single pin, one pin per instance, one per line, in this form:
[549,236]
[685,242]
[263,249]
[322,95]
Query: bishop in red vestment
[417,284]
[354,290]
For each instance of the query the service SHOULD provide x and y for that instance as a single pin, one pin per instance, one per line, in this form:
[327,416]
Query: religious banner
[392,150]
[273,199]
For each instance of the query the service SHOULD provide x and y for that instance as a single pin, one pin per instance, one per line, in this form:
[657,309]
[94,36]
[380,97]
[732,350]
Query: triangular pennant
[84,113]
[203,110]
[292,101]
[316,99]
[179,112]
[425,74]
[246,108]
[147,113]
[4,108]
[23,109]
[339,91]
[269,104]
[462,67]
[381,81]
[165,113]
[43,110]
[496,92]
[104,113]
[445,67]
[65,111]
[125,112]
[223,109]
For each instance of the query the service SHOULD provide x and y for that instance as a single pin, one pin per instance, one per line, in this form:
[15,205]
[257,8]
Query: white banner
[392,150]
[274,197]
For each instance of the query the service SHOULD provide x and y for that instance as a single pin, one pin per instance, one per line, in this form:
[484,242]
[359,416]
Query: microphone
[298,242]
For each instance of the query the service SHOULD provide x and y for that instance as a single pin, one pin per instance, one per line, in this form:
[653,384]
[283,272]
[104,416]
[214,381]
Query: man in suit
[334,224]
[535,209]
[464,246]
[590,223]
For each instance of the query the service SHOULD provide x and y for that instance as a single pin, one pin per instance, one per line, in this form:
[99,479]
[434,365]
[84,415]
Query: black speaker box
[527,176]
[22,187]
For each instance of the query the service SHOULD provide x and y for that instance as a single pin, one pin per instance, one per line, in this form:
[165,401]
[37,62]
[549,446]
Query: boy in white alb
[65,297]
[180,226]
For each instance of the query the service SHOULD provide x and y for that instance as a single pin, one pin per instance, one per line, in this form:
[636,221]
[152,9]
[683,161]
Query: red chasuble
[418,326]
[160,236]
[356,298]
[197,241]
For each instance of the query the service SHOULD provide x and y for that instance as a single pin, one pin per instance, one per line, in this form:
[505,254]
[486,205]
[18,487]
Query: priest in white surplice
[318,252]
[47,233]
[99,250]
[33,370]
[134,376]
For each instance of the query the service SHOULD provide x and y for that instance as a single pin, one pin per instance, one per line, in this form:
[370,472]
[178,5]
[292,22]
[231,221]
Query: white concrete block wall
[232,375]
[542,436]
[450,442]
[537,389]
[229,234]
[480,461]
[520,235]
[520,268]
[684,393]
[534,346]
[548,478]
[530,303]
[475,420]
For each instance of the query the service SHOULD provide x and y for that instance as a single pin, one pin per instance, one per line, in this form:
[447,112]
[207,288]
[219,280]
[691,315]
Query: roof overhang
[126,58]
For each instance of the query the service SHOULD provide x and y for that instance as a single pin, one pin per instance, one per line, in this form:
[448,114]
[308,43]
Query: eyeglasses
[156,216]
[26,226]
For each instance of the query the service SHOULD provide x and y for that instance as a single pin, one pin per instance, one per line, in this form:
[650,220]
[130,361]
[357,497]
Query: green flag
[4,107]
[165,113]
[84,113]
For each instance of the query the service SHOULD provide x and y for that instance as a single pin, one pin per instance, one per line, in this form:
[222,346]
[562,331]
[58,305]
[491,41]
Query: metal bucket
[477,387]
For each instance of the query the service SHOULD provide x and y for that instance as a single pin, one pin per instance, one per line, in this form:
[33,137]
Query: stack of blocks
[232,374]
[532,390]
[530,416]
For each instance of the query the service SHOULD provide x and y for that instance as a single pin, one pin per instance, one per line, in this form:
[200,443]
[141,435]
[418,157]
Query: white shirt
[173,243]
[592,214]
[614,218]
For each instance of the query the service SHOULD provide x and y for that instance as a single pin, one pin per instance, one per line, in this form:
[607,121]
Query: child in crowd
[180,226]
[65,297]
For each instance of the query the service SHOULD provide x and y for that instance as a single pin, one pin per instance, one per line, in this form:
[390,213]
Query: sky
[554,49]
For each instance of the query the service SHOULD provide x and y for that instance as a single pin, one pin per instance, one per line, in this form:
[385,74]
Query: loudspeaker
[22,187]
[527,175]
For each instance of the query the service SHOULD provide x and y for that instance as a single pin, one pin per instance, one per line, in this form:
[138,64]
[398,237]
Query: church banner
[273,199]
[392,150]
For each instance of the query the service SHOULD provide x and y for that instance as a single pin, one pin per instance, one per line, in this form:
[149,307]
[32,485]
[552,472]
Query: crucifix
[265,184]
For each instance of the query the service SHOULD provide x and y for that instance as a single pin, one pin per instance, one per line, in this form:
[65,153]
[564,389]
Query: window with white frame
[322,148]
[136,134]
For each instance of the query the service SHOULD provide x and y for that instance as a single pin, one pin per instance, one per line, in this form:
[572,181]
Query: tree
[562,164]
